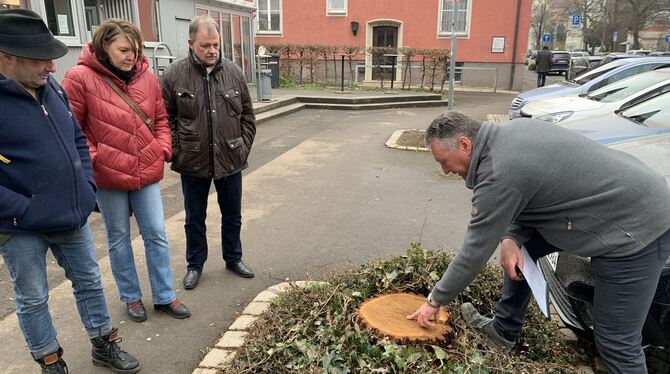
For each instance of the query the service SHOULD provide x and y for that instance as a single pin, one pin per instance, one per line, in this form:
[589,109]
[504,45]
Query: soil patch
[412,138]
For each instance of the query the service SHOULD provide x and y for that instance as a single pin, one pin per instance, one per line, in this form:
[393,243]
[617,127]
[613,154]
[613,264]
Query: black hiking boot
[53,363]
[106,352]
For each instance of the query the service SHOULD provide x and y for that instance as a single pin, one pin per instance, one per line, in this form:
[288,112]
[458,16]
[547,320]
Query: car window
[595,73]
[647,95]
[580,62]
[626,87]
[560,56]
[653,113]
[594,63]
[623,74]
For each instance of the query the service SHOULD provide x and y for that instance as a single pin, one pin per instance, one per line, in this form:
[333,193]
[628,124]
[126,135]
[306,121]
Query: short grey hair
[202,21]
[448,126]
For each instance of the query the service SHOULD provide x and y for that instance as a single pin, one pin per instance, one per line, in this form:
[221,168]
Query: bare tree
[352,51]
[589,11]
[642,12]
[538,19]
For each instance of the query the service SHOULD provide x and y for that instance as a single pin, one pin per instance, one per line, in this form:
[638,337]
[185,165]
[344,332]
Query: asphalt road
[322,193]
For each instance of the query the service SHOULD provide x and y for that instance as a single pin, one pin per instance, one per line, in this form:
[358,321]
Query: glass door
[247,49]
[226,37]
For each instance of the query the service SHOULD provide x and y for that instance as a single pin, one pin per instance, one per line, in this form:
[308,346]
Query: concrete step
[282,110]
[266,107]
[390,98]
[386,105]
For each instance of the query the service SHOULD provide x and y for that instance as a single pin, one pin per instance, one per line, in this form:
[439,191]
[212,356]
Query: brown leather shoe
[175,309]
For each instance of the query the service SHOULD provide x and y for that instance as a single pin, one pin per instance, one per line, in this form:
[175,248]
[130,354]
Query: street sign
[575,33]
[615,36]
[576,20]
[546,38]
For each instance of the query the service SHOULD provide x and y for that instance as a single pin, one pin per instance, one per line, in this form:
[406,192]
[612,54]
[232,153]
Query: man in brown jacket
[213,127]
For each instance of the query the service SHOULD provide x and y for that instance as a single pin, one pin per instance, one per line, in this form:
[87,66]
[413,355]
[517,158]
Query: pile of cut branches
[315,329]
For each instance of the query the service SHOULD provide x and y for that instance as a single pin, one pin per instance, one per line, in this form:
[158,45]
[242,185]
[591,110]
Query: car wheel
[658,361]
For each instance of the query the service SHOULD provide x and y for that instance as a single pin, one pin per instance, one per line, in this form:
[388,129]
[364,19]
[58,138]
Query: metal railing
[459,72]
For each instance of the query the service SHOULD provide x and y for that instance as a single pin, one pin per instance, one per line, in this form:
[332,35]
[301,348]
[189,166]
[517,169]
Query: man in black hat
[47,192]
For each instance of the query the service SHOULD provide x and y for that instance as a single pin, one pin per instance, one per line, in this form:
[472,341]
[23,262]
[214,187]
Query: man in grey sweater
[550,189]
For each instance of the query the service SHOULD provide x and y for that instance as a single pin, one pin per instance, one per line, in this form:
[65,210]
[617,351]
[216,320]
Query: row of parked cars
[573,64]
[623,104]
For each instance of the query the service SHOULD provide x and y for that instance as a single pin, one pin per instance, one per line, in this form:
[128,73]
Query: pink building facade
[492,34]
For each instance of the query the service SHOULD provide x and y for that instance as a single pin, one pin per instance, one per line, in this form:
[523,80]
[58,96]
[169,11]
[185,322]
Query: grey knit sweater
[582,197]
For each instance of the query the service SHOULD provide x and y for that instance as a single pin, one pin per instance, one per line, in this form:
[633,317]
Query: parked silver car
[588,82]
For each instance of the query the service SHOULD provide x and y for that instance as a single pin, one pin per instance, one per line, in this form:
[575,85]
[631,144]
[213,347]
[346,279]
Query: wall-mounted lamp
[354,27]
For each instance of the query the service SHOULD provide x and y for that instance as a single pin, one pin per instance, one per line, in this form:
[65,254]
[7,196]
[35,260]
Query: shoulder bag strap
[147,121]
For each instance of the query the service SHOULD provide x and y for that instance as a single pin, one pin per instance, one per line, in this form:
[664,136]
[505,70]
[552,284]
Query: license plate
[552,259]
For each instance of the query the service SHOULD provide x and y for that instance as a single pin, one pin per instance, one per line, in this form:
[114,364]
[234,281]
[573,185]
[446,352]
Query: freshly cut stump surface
[386,315]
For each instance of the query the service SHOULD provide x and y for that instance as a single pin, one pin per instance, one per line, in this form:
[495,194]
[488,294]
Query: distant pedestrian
[542,64]
[46,194]
[119,105]
[213,127]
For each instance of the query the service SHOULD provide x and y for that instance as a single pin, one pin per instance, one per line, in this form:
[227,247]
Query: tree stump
[385,315]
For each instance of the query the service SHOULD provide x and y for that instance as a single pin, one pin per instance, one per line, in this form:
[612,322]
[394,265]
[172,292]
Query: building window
[9,4]
[269,16]
[336,7]
[447,14]
[59,17]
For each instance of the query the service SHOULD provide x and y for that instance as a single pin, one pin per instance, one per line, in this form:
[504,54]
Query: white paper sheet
[536,281]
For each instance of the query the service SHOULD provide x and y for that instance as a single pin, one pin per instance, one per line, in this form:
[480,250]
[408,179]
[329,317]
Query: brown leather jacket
[211,118]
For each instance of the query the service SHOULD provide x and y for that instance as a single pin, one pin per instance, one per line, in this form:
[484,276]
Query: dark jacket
[543,61]
[591,201]
[46,178]
[211,117]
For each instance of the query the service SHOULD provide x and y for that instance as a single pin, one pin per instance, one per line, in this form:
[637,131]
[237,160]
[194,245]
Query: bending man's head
[451,138]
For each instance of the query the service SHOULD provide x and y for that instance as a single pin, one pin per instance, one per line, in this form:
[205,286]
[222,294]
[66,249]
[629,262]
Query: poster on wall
[498,44]
[63,28]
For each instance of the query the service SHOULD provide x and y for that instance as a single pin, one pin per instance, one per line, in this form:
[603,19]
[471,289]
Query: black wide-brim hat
[23,33]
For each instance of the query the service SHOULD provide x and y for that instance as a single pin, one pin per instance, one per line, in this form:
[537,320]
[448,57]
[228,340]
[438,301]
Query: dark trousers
[624,289]
[541,78]
[229,197]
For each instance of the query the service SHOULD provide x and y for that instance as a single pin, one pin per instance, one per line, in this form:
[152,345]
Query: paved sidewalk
[322,193]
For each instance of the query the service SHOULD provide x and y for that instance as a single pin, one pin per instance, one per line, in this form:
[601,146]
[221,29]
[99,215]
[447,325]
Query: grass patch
[315,329]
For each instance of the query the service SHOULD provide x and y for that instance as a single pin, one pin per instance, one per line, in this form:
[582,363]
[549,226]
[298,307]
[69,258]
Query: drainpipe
[516,37]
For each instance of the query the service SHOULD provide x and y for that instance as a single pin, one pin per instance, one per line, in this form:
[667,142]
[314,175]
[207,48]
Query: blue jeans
[148,210]
[25,257]
[229,197]
[541,79]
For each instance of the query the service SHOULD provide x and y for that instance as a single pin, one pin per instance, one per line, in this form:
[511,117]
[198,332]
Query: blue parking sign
[546,38]
[576,19]
[667,38]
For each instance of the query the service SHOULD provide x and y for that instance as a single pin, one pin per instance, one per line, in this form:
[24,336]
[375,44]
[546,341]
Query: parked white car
[602,101]
[648,117]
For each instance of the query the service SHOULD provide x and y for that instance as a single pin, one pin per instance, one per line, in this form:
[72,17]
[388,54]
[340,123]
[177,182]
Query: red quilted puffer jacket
[126,155]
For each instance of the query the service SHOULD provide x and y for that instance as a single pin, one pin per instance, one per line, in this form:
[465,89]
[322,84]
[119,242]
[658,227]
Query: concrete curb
[393,142]
[221,356]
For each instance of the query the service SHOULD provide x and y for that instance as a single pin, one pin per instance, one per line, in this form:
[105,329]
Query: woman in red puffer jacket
[128,156]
